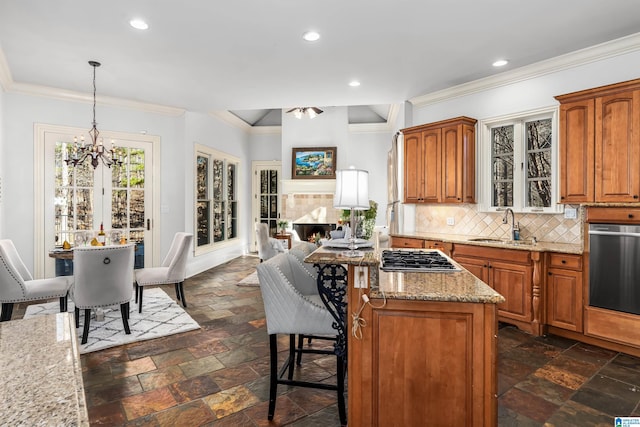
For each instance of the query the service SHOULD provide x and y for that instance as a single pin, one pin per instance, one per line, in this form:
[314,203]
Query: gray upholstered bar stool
[292,306]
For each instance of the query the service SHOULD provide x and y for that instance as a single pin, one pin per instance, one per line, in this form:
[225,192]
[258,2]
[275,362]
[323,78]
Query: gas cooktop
[416,260]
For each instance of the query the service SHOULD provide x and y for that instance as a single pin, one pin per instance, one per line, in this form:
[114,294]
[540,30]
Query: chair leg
[340,371]
[136,289]
[87,320]
[273,377]
[180,293]
[63,304]
[292,355]
[124,310]
[300,346]
[76,313]
[139,299]
[7,311]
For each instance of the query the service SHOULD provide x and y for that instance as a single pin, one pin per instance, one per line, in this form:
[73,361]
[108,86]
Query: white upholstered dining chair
[172,271]
[17,284]
[103,277]
[268,247]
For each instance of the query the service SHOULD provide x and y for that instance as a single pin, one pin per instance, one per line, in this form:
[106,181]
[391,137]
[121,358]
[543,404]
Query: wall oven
[614,267]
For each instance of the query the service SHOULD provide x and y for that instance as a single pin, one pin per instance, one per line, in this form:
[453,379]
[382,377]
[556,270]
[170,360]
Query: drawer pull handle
[563,261]
[635,196]
[630,215]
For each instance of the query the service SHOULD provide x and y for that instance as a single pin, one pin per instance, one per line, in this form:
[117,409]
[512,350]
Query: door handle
[148,224]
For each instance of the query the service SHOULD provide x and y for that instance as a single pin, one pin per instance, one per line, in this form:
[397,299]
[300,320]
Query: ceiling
[248,56]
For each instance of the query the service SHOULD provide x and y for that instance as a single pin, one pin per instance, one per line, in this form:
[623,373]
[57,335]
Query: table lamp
[352,192]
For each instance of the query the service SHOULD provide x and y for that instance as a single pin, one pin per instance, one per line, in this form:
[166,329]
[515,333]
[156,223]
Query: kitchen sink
[486,240]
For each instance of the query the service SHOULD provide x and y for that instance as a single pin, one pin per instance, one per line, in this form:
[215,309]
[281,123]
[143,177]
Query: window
[519,168]
[216,197]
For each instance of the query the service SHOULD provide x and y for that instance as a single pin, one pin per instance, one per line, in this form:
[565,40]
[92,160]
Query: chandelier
[298,112]
[81,151]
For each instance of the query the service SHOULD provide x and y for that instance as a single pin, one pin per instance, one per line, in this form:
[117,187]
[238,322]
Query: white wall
[178,133]
[266,146]
[363,150]
[2,169]
[205,130]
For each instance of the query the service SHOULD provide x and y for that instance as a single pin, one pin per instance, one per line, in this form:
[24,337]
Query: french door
[266,195]
[78,200]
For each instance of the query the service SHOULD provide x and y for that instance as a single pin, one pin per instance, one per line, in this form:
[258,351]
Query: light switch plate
[451,220]
[570,213]
[361,274]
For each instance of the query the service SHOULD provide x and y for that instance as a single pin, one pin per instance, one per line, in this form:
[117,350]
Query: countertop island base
[425,350]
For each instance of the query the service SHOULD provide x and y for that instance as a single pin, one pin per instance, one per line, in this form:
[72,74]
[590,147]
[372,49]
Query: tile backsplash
[467,220]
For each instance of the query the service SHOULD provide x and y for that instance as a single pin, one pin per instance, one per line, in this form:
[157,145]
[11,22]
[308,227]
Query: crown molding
[5,72]
[587,55]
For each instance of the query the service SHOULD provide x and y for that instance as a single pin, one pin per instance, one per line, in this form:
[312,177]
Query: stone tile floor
[218,376]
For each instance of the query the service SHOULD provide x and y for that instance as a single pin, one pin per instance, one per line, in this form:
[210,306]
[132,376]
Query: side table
[285,239]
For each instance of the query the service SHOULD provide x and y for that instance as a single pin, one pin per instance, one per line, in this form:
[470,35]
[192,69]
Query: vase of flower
[283,224]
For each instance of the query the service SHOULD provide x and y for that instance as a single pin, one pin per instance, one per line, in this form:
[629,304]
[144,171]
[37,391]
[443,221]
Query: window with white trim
[216,210]
[519,162]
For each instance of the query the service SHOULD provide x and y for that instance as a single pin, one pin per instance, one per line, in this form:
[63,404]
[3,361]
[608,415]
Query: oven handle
[613,233]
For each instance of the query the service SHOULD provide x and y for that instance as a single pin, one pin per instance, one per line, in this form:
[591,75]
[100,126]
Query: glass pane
[273,203]
[218,221]
[231,182]
[502,140]
[503,168]
[119,172]
[538,134]
[231,221]
[274,181]
[84,174]
[264,206]
[202,178]
[264,182]
[502,194]
[539,193]
[136,209]
[203,223]
[136,167]
[119,209]
[539,164]
[218,178]
[84,209]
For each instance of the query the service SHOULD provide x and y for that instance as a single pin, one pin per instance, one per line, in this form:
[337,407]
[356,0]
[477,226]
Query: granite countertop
[41,372]
[459,286]
[523,245]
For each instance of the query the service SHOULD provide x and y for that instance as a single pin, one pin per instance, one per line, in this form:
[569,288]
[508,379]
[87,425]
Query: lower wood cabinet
[511,273]
[564,296]
[406,242]
[424,363]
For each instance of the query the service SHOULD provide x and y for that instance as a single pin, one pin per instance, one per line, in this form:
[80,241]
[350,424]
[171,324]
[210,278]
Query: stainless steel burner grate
[416,260]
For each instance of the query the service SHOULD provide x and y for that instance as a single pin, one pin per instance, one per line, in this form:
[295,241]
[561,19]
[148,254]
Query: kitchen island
[422,351]
[41,372]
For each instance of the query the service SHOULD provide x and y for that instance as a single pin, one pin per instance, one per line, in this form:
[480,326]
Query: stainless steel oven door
[614,267]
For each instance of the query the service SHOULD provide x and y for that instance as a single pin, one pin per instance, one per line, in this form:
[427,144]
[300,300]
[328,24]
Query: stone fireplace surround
[309,213]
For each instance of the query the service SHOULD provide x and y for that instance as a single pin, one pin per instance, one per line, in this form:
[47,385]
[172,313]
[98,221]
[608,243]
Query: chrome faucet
[515,228]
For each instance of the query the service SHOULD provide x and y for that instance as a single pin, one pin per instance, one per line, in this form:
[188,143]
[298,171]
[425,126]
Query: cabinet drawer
[515,256]
[614,215]
[569,261]
[406,242]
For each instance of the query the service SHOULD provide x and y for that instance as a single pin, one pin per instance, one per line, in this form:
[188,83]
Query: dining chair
[293,307]
[268,247]
[103,277]
[172,271]
[17,284]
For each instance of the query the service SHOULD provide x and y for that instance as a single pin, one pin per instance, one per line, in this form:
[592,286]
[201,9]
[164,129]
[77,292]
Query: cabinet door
[452,164]
[468,163]
[431,140]
[476,266]
[564,299]
[577,151]
[513,282]
[413,167]
[617,147]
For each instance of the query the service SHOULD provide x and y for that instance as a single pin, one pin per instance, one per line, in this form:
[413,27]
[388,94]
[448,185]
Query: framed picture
[313,163]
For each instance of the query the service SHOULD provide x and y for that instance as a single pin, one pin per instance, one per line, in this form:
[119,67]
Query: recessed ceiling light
[354,83]
[500,63]
[311,36]
[138,24]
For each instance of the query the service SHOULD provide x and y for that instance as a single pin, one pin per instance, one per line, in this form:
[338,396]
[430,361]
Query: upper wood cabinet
[600,144]
[439,162]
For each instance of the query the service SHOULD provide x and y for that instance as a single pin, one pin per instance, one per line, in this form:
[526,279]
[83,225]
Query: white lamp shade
[352,189]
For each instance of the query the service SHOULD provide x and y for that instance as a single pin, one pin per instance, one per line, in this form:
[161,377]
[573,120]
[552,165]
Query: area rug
[161,316]
[250,280]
